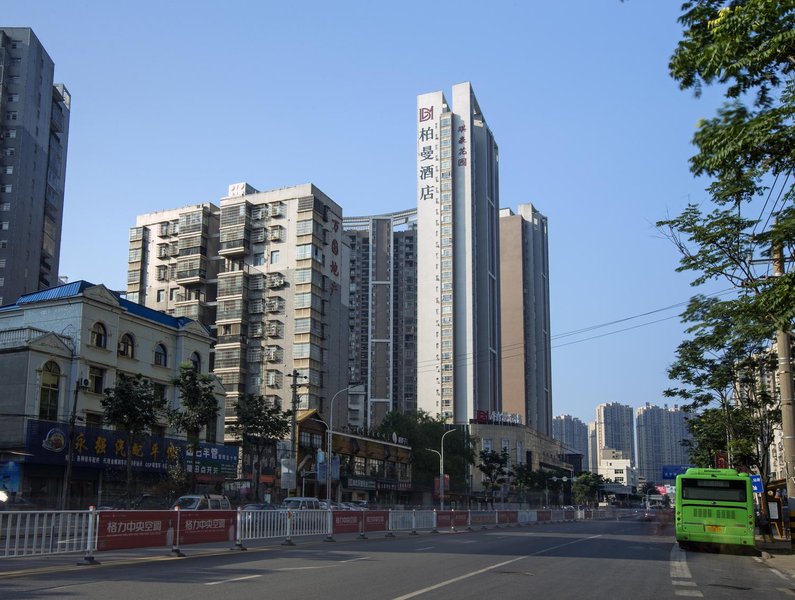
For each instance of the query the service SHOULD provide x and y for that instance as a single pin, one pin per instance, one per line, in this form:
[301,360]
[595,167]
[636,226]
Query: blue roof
[76,288]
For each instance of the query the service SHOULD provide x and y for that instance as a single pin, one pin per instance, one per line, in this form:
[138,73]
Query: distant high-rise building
[274,265]
[615,430]
[383,315]
[593,449]
[660,435]
[524,293]
[458,297]
[34,132]
[573,433]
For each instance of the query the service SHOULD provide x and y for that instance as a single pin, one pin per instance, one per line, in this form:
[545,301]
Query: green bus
[714,506]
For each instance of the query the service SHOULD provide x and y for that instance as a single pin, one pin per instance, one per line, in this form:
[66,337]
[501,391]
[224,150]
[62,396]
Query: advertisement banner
[344,521]
[376,520]
[450,518]
[117,530]
[199,526]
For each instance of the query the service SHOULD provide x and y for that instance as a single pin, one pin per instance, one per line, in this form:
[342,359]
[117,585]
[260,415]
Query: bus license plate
[714,528]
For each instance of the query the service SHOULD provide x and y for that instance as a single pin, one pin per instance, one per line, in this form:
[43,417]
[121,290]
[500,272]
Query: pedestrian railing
[51,532]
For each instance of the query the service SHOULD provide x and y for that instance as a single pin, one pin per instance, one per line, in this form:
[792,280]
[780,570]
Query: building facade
[59,350]
[524,293]
[573,434]
[615,430]
[383,315]
[458,293]
[661,431]
[34,131]
[267,271]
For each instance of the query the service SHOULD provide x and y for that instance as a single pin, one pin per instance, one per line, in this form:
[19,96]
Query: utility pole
[294,429]
[785,389]
[70,447]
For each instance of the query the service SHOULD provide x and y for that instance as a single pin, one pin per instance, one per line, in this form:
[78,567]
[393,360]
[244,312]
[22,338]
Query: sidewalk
[778,554]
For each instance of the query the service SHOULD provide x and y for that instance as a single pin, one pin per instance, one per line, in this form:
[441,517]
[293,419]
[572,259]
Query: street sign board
[756,484]
[671,471]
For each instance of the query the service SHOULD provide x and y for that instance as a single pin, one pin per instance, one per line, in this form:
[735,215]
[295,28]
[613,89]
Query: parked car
[300,503]
[259,506]
[202,502]
[141,502]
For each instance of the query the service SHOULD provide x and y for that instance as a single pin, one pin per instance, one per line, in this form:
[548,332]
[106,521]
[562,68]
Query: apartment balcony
[234,247]
[275,281]
[188,277]
[238,339]
[57,119]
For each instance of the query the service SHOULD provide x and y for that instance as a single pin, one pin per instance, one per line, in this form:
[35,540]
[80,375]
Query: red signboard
[198,526]
[135,529]
[376,520]
[450,518]
[345,521]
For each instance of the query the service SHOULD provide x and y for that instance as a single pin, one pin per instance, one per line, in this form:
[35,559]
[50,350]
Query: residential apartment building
[573,434]
[661,431]
[34,131]
[59,350]
[458,291]
[524,293]
[615,429]
[383,313]
[270,269]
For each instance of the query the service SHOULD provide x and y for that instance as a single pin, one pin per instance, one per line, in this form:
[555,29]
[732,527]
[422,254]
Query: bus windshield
[720,490]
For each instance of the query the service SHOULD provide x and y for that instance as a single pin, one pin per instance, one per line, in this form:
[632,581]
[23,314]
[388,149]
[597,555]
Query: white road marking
[691,593]
[231,580]
[442,584]
[327,566]
[679,568]
[425,548]
[683,583]
[786,591]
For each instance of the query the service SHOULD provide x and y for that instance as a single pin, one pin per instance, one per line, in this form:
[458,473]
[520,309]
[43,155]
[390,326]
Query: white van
[300,503]
[203,502]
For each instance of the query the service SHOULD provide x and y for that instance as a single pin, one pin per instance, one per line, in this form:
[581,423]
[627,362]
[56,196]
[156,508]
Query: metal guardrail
[53,532]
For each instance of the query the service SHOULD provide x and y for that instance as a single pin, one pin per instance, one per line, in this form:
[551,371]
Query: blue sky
[174,101]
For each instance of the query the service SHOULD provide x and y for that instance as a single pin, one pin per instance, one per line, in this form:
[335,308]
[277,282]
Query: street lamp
[440,452]
[328,440]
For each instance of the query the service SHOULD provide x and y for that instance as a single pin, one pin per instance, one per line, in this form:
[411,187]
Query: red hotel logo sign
[426,114]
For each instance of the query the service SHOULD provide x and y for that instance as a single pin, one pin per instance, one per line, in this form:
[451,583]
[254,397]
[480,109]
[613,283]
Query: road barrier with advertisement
[50,532]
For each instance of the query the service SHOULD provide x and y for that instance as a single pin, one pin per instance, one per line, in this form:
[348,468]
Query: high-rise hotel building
[458,293]
[383,316]
[267,271]
[34,130]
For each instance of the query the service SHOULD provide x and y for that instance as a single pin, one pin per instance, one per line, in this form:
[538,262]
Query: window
[3,225]
[161,295]
[196,361]
[487,445]
[159,391]
[5,206]
[7,170]
[127,346]
[48,393]
[13,97]
[161,357]
[96,379]
[6,188]
[11,133]
[274,256]
[2,263]
[9,152]
[11,115]
[303,251]
[99,336]
[259,259]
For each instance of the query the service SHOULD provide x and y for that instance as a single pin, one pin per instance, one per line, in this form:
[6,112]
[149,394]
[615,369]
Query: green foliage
[259,424]
[132,407]
[747,49]
[494,466]
[586,487]
[424,431]
[198,408]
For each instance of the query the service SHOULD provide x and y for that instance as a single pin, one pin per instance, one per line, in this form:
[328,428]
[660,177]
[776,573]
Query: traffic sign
[756,484]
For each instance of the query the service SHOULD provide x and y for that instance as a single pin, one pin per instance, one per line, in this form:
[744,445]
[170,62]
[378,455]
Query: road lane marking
[679,568]
[683,583]
[691,593]
[231,580]
[425,548]
[447,582]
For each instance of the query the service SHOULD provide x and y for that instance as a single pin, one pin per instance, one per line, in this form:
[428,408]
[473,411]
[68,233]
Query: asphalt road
[615,559]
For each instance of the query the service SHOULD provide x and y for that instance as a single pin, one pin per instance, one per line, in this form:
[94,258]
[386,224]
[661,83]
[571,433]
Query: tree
[132,407]
[748,48]
[494,466]
[586,487]
[198,409]
[424,431]
[259,424]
